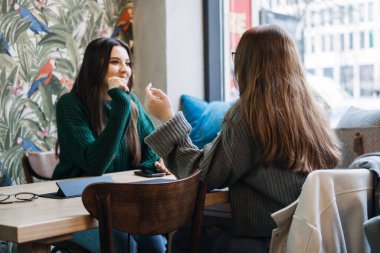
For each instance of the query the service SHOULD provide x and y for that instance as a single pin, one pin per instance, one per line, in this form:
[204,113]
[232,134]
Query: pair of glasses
[20,197]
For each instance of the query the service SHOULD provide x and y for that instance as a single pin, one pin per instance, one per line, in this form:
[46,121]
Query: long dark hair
[284,119]
[90,89]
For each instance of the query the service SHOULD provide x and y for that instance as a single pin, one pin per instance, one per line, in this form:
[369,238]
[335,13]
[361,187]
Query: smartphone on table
[149,173]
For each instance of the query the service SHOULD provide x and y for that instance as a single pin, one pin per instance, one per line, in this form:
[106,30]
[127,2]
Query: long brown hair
[91,90]
[285,121]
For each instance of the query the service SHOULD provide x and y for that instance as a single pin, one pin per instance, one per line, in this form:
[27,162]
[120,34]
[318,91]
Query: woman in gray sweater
[270,140]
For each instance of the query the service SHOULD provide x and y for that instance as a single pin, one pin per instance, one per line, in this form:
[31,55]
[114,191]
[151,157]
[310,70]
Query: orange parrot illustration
[44,76]
[124,21]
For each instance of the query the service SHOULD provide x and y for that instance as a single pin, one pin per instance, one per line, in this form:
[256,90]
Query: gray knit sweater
[255,191]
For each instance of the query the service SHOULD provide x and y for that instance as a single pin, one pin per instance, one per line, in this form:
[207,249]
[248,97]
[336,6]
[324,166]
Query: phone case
[149,173]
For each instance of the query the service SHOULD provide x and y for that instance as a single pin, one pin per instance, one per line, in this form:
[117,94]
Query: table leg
[33,247]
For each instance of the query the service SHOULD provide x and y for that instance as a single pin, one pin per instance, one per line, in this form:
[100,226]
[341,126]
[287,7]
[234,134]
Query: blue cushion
[205,118]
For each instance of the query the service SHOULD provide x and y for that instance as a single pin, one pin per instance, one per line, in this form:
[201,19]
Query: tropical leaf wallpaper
[41,47]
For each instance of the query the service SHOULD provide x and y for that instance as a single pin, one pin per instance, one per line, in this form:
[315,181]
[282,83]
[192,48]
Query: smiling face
[119,64]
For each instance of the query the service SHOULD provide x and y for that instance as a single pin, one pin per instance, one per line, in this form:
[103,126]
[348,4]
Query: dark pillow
[205,118]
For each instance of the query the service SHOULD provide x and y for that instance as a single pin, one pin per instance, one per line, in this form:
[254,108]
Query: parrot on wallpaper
[44,76]
[28,145]
[36,25]
[4,47]
[123,22]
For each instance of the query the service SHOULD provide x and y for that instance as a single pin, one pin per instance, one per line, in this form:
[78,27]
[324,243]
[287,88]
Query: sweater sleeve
[89,152]
[145,127]
[172,142]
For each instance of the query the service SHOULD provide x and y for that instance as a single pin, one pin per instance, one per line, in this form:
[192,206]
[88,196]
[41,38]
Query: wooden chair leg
[105,223]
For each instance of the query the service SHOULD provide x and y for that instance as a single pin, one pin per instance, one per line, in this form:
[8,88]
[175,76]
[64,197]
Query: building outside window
[340,38]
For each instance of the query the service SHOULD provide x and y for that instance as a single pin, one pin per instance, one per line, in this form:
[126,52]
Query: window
[342,14]
[362,39]
[370,11]
[331,42]
[331,16]
[350,14]
[342,42]
[312,18]
[366,80]
[361,12]
[328,72]
[323,43]
[322,15]
[351,40]
[335,39]
[346,78]
[370,39]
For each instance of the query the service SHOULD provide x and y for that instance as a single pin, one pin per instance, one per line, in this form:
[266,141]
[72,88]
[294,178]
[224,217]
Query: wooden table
[33,225]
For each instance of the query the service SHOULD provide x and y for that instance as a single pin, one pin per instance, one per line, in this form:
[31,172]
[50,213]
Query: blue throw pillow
[205,118]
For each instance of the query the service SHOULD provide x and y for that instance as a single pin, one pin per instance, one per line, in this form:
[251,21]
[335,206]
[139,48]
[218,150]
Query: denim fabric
[142,244]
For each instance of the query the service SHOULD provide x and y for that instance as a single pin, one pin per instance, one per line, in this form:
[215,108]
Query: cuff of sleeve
[119,96]
[168,134]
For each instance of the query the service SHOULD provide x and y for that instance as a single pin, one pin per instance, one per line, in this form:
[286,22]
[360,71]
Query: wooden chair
[41,165]
[147,208]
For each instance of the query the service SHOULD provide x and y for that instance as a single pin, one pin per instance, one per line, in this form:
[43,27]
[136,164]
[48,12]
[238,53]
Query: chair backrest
[147,208]
[40,165]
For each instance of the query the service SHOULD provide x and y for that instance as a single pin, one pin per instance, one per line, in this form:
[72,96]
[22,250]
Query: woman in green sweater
[101,127]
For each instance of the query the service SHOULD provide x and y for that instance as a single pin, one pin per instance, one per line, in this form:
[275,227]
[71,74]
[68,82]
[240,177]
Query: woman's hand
[118,82]
[160,166]
[157,103]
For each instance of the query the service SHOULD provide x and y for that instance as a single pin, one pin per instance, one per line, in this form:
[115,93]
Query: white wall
[168,47]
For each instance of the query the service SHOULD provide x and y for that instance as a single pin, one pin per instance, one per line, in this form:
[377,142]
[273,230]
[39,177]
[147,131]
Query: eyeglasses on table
[20,197]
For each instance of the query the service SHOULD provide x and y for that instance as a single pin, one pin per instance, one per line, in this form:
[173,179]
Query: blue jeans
[142,244]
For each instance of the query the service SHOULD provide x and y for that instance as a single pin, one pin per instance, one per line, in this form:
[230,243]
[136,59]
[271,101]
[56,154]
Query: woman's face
[120,64]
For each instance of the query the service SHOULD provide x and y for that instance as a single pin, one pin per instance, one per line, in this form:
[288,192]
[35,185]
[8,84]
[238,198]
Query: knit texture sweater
[84,153]
[230,161]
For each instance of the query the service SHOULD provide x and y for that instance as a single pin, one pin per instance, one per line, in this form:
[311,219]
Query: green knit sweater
[84,153]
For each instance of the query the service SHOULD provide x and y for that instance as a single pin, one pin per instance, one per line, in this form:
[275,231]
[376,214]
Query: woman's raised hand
[157,103]
[118,82]
[160,166]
